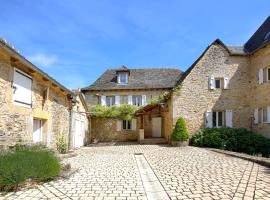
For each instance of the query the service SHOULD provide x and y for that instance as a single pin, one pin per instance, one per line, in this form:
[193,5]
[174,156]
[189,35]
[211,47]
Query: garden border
[260,160]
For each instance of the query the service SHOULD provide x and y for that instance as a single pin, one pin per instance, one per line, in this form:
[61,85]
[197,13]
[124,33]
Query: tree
[180,132]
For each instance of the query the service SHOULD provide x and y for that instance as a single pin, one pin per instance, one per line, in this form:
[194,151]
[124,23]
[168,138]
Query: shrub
[232,139]
[27,162]
[123,111]
[180,132]
[61,143]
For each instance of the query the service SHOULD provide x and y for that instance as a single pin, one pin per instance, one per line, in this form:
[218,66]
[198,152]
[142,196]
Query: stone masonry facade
[49,104]
[242,96]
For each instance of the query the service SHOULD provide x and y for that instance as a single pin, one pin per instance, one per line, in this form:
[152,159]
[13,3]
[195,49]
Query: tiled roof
[259,39]
[145,78]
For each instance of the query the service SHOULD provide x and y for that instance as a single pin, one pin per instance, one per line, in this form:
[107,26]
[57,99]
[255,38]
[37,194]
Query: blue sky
[76,41]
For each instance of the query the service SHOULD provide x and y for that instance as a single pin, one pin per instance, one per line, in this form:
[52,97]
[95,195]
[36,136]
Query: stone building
[33,106]
[128,86]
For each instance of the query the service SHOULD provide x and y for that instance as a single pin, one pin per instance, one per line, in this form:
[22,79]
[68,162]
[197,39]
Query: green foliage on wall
[123,111]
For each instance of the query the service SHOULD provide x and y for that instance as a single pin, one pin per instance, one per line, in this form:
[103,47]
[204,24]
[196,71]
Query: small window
[126,125]
[137,100]
[218,119]
[218,83]
[123,78]
[110,100]
[268,74]
[264,115]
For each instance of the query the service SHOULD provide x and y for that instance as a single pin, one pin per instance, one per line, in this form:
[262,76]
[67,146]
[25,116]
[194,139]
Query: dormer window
[122,75]
[267,36]
[123,78]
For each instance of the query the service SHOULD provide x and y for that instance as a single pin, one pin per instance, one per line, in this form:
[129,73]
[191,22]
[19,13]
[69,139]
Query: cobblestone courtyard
[113,172]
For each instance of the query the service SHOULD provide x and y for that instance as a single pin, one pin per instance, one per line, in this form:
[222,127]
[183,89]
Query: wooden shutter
[130,99]
[229,117]
[134,124]
[268,114]
[22,84]
[119,125]
[209,119]
[143,100]
[117,100]
[212,83]
[260,76]
[256,116]
[226,83]
[103,100]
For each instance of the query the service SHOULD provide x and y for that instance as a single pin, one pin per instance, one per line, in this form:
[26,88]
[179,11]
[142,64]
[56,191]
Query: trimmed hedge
[232,139]
[36,163]
[180,132]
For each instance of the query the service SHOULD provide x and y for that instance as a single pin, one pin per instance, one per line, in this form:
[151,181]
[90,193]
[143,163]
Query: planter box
[179,143]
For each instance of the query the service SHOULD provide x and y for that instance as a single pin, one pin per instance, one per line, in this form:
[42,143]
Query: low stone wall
[105,130]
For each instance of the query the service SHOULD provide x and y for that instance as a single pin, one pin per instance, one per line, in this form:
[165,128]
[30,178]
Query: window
[218,119]
[22,89]
[123,78]
[110,100]
[264,115]
[137,100]
[268,74]
[267,36]
[218,83]
[126,125]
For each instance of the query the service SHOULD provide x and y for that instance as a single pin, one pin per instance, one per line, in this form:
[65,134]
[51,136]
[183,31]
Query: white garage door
[79,133]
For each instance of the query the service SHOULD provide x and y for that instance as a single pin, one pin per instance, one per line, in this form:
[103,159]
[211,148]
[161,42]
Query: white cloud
[43,60]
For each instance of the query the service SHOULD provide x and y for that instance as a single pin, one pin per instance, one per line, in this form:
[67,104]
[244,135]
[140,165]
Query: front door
[156,127]
[37,130]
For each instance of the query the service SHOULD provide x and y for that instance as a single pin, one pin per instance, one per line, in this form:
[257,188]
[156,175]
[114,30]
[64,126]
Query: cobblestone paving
[110,172]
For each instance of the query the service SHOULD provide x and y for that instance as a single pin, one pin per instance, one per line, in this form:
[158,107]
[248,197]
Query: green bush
[180,132]
[61,144]
[27,162]
[232,139]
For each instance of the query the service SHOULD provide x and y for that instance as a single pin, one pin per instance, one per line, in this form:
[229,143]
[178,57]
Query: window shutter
[118,78]
[23,89]
[209,119]
[134,124]
[212,83]
[118,125]
[143,100]
[103,100]
[226,83]
[130,99]
[256,116]
[260,76]
[229,117]
[117,100]
[268,114]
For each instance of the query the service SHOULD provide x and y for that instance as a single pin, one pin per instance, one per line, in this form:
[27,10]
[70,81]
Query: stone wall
[260,97]
[195,97]
[16,122]
[105,130]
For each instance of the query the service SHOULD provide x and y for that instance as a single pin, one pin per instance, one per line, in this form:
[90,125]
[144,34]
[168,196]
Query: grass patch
[35,163]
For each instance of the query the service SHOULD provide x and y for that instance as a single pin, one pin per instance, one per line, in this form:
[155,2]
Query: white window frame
[110,101]
[123,74]
[138,100]
[217,118]
[262,110]
[126,125]
[26,105]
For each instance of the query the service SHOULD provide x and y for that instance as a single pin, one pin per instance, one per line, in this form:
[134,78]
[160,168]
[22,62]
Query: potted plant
[180,134]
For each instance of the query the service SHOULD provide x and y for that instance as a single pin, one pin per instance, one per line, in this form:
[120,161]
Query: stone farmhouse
[128,86]
[36,108]
[225,86]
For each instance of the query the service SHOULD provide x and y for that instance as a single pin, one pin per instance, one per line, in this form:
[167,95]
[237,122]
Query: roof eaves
[16,54]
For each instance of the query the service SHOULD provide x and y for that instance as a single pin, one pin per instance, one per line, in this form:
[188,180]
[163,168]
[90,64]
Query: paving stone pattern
[111,172]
